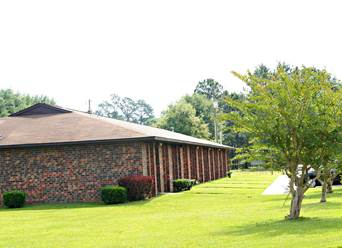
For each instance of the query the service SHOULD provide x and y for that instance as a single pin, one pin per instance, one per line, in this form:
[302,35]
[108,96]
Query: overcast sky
[157,50]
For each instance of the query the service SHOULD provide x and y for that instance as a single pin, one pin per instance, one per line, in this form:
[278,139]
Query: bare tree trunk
[324,190]
[329,185]
[296,202]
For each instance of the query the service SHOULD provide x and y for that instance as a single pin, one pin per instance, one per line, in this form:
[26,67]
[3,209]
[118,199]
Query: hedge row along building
[60,155]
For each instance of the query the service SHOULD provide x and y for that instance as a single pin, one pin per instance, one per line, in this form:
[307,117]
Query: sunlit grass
[224,213]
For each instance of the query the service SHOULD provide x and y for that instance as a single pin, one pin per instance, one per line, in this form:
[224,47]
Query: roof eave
[123,140]
[163,139]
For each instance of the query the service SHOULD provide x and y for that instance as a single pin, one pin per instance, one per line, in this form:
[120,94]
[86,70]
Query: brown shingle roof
[31,129]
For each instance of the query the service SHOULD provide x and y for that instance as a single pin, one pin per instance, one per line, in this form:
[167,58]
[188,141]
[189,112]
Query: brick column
[214,162]
[161,167]
[197,164]
[209,163]
[181,161]
[170,167]
[144,158]
[189,162]
[218,163]
[203,172]
[225,162]
[155,167]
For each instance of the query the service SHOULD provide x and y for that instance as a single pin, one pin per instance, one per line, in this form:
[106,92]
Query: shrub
[183,184]
[194,182]
[113,194]
[229,174]
[138,187]
[14,199]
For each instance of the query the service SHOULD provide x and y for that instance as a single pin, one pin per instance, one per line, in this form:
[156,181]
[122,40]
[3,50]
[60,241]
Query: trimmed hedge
[138,187]
[14,199]
[183,184]
[113,194]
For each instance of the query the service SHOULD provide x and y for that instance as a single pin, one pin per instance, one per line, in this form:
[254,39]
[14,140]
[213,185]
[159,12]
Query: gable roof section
[41,108]
[43,124]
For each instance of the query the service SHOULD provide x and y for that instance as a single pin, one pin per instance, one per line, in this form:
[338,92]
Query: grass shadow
[57,206]
[287,227]
[229,187]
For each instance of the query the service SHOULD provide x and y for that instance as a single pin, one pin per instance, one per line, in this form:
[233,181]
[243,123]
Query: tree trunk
[296,202]
[324,190]
[329,186]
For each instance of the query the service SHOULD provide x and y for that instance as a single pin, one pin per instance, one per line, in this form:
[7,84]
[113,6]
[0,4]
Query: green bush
[183,184]
[113,194]
[194,182]
[14,199]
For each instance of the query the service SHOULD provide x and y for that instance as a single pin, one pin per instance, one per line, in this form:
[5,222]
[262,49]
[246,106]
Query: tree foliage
[181,117]
[11,102]
[205,110]
[209,88]
[230,136]
[127,109]
[283,116]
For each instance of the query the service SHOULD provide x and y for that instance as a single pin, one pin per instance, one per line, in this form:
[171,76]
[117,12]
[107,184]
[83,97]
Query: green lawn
[224,213]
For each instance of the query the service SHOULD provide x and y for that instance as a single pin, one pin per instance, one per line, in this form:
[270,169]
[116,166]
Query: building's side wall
[167,162]
[72,173]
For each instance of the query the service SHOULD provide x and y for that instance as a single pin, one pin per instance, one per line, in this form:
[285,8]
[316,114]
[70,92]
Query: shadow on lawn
[309,195]
[281,227]
[56,206]
[229,187]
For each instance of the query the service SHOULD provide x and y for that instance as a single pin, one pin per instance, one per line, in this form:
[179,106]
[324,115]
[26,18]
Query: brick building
[61,155]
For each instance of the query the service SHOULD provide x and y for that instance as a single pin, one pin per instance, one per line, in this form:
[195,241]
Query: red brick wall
[72,173]
[75,173]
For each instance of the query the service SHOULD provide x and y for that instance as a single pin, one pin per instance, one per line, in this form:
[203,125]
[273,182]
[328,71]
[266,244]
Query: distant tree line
[198,114]
[127,109]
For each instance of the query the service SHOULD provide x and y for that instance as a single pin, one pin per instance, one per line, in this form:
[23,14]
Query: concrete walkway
[280,186]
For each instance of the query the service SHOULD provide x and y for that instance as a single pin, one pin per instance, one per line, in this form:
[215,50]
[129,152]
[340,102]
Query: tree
[11,102]
[181,117]
[230,137]
[209,88]
[328,134]
[127,109]
[327,153]
[213,90]
[279,115]
[205,110]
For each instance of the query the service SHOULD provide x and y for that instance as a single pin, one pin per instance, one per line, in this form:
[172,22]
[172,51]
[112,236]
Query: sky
[157,50]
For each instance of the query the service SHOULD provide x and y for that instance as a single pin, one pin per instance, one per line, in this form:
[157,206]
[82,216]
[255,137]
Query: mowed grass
[223,213]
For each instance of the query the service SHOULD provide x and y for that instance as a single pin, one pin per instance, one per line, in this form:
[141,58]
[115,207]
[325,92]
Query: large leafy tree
[181,117]
[325,155]
[280,116]
[11,102]
[127,109]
